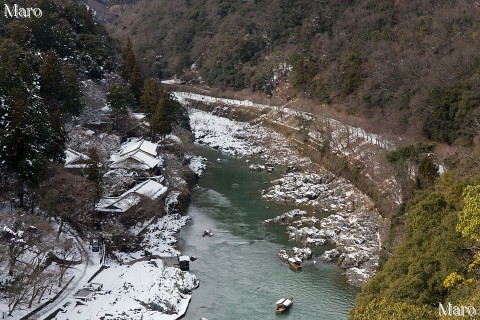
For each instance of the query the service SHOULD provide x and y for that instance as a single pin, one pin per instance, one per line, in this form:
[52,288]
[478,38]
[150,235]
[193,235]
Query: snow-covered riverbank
[353,225]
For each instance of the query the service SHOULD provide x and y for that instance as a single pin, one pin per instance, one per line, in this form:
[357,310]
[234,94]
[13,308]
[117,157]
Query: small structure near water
[295,263]
[284,305]
[207,232]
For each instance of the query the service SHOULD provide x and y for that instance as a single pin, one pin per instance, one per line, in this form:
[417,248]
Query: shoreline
[353,228]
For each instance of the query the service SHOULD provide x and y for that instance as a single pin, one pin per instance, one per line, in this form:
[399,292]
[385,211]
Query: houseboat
[295,263]
[283,305]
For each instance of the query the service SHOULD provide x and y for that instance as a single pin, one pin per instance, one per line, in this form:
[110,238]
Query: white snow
[143,290]
[139,144]
[222,134]
[197,164]
[122,203]
[72,156]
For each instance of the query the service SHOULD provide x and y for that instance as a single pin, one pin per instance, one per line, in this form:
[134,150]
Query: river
[239,272]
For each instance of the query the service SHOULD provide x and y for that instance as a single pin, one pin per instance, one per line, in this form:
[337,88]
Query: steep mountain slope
[412,64]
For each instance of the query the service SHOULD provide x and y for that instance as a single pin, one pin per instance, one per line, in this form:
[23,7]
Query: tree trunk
[60,228]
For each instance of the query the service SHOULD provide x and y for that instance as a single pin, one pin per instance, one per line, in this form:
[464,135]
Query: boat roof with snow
[295,260]
[285,302]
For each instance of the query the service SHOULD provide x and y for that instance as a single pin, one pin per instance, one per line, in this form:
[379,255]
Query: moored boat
[295,263]
[283,305]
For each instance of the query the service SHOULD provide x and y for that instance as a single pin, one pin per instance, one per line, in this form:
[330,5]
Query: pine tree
[26,142]
[152,93]
[128,60]
[136,82]
[58,139]
[119,99]
[161,122]
[93,171]
[131,70]
[51,79]
[71,92]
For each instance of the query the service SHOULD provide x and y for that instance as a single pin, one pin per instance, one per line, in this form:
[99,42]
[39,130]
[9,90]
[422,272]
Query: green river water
[239,272]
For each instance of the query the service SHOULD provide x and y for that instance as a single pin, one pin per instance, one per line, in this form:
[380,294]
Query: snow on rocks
[330,255]
[184,97]
[283,255]
[353,228]
[221,134]
[301,253]
[311,189]
[287,216]
[159,237]
[354,235]
[196,163]
[242,139]
[171,201]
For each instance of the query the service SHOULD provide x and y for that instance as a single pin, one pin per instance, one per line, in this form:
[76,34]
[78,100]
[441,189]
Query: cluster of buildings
[137,158]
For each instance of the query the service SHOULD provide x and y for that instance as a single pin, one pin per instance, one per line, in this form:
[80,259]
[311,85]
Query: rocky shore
[342,217]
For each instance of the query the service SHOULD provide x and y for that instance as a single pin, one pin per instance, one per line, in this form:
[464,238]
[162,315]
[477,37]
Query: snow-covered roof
[136,144]
[138,115]
[184,258]
[285,302]
[148,188]
[137,153]
[74,159]
[84,293]
[137,160]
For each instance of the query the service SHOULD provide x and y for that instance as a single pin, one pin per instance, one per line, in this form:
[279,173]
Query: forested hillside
[62,77]
[413,64]
[42,62]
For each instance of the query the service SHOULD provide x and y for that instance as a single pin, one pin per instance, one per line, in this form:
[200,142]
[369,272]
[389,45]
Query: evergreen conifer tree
[93,171]
[152,93]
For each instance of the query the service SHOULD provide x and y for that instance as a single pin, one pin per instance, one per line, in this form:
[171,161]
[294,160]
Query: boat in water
[295,263]
[284,305]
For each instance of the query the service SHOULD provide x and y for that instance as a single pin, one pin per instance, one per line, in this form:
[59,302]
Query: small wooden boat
[207,233]
[295,263]
[283,305]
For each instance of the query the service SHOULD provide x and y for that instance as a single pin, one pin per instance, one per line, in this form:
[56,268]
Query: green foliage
[429,252]
[393,310]
[413,161]
[227,68]
[469,217]
[304,70]
[427,172]
[120,99]
[70,90]
[131,70]
[412,65]
[68,31]
[410,153]
[151,95]
[164,117]
[161,122]
[449,116]
[93,171]
[27,138]
[352,74]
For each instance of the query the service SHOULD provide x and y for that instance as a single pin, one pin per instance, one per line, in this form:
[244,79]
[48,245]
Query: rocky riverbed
[352,224]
